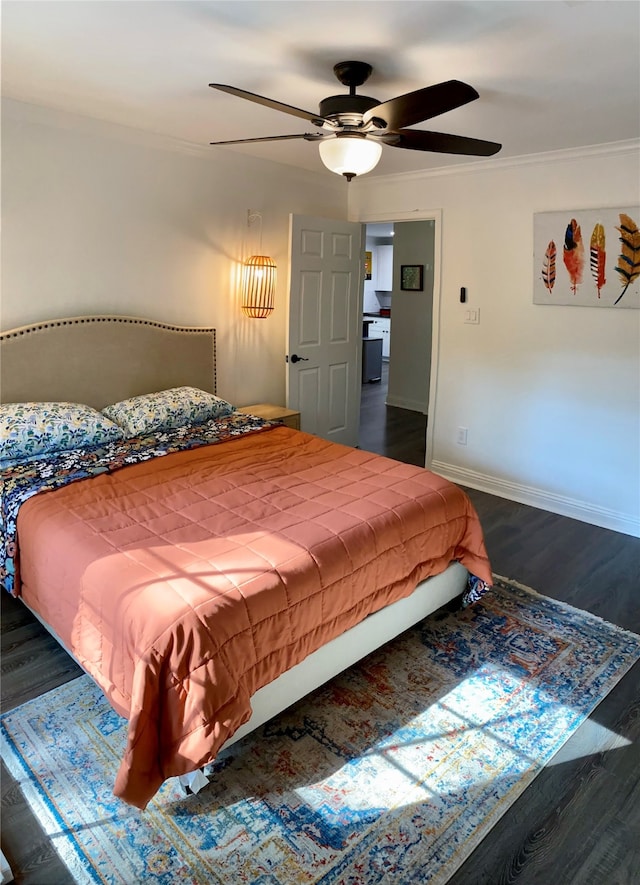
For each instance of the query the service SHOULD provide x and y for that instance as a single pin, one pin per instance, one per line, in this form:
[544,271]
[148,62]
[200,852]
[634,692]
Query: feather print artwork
[573,254]
[597,256]
[587,257]
[549,266]
[629,259]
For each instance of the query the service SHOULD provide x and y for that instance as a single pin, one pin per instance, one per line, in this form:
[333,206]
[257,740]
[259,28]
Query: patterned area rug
[391,773]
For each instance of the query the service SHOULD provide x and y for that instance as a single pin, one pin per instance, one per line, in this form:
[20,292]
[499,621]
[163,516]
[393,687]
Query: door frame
[434,215]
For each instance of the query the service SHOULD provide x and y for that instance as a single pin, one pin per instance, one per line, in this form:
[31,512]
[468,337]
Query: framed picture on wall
[367,265]
[587,257]
[411,277]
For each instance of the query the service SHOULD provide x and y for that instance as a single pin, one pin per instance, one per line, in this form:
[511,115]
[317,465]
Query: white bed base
[342,652]
[345,650]
[334,657]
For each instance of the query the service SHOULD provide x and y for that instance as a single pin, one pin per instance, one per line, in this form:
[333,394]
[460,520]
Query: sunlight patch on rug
[391,773]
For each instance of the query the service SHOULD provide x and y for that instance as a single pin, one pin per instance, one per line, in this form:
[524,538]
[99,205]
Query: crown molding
[629,147]
[70,121]
[74,122]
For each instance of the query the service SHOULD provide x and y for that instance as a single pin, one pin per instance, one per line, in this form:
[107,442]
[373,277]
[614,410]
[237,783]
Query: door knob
[299,359]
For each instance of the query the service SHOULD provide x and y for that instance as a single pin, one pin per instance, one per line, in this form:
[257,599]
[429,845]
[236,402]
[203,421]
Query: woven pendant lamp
[258,286]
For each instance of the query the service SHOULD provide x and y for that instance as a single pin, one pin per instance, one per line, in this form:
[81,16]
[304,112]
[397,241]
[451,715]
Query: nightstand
[288,417]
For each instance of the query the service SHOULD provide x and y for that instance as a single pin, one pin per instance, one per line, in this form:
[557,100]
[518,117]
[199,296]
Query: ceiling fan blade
[314,118]
[423,104]
[440,142]
[308,136]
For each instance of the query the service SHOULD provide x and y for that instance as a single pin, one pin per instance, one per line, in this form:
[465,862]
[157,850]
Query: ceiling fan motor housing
[348,109]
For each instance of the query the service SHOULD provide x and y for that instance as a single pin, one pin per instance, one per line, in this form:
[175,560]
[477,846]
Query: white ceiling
[551,75]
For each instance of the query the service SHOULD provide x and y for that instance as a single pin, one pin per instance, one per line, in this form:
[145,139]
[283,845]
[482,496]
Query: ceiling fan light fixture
[350,154]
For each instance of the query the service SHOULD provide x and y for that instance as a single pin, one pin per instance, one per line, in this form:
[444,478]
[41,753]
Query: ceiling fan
[355,126]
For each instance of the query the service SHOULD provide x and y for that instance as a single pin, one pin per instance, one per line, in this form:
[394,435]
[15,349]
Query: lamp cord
[252,215]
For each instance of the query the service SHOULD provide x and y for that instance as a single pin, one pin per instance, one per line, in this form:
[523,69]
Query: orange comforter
[185,583]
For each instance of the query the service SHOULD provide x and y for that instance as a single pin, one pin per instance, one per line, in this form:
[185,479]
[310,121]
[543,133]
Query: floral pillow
[166,409]
[28,430]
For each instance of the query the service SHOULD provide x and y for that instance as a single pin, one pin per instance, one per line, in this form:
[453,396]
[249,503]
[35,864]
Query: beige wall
[550,395]
[98,218]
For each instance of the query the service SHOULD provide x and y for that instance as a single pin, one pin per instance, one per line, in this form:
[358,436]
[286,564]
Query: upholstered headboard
[103,359]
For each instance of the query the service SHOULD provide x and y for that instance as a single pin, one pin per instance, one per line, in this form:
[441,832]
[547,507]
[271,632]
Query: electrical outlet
[472,316]
[461,436]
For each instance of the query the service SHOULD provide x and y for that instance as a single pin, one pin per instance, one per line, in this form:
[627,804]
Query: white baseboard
[412,404]
[513,491]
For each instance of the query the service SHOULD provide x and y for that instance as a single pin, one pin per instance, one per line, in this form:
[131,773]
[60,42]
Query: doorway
[394,410]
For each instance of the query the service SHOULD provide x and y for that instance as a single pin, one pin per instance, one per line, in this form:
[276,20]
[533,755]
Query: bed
[209,571]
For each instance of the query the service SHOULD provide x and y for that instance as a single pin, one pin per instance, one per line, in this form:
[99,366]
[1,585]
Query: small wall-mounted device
[463,295]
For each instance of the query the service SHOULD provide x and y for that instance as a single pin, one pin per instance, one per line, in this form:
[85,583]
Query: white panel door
[325,326]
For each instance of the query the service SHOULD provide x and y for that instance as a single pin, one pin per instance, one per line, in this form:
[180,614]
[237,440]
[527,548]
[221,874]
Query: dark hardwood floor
[388,430]
[578,823]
